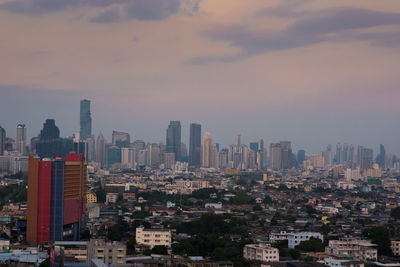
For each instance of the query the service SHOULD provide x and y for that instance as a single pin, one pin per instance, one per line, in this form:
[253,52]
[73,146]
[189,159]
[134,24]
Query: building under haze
[85,119]
[121,139]
[195,145]
[101,150]
[173,140]
[21,139]
[50,144]
[2,140]
[56,198]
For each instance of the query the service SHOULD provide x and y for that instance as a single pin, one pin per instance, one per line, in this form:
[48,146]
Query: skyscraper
[121,139]
[85,119]
[380,159]
[2,140]
[174,139]
[56,198]
[101,150]
[21,139]
[206,151]
[366,158]
[301,156]
[50,144]
[195,145]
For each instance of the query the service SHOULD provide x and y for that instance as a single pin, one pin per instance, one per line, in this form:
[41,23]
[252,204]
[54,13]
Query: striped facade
[56,198]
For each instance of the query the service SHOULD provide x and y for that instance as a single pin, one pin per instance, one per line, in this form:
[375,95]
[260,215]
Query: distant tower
[2,140]
[101,150]
[301,156]
[174,139]
[85,120]
[195,145]
[21,139]
[207,150]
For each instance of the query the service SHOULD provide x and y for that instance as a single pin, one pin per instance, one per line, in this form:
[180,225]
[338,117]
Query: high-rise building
[2,140]
[128,157]
[254,146]
[56,198]
[85,119]
[367,161]
[91,148]
[195,145]
[275,156]
[237,140]
[121,139]
[101,150]
[206,151]
[174,139]
[21,139]
[281,156]
[50,144]
[301,156]
[153,156]
[113,155]
[380,159]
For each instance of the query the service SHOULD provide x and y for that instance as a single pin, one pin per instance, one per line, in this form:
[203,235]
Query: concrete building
[85,119]
[108,252]
[359,249]
[21,139]
[261,252]
[153,237]
[294,239]
[395,246]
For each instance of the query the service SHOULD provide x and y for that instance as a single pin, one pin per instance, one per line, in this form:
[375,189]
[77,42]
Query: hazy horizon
[311,72]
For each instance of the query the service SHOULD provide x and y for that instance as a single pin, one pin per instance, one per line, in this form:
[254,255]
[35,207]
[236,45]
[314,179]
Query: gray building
[85,119]
[174,139]
[2,140]
[195,145]
[108,252]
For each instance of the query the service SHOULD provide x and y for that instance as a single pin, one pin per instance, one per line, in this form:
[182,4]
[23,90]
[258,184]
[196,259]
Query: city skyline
[313,72]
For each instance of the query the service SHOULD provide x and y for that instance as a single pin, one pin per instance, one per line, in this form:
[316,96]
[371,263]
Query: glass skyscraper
[85,120]
[174,139]
[195,145]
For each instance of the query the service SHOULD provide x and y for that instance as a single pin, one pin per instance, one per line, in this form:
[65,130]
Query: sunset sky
[312,72]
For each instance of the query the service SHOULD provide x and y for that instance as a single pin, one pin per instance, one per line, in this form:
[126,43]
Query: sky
[312,72]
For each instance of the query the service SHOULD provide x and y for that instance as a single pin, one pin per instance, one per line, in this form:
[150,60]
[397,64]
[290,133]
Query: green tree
[395,213]
[381,236]
[159,250]
[312,245]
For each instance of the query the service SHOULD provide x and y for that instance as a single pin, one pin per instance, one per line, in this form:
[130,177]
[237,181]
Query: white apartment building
[358,249]
[294,239]
[153,237]
[261,252]
[342,262]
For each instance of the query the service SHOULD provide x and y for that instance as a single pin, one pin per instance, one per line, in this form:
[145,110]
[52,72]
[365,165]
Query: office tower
[288,159]
[184,153]
[128,157]
[2,140]
[252,159]
[85,119]
[138,144]
[275,156]
[339,154]
[380,159]
[91,148]
[101,150]
[113,155]
[50,144]
[174,139]
[237,140]
[328,156]
[206,158]
[33,143]
[223,159]
[56,198]
[21,139]
[121,139]
[261,156]
[195,145]
[359,155]
[153,156]
[366,159]
[301,156]
[142,158]
[81,147]
[254,146]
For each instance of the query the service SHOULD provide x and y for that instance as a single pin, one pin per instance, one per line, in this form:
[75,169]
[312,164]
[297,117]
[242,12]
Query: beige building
[110,253]
[261,252]
[395,246]
[153,237]
[361,250]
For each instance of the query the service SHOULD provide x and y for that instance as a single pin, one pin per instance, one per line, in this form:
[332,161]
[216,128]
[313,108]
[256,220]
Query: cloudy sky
[313,72]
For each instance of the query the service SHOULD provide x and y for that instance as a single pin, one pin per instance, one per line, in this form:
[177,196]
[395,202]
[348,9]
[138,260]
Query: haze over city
[312,72]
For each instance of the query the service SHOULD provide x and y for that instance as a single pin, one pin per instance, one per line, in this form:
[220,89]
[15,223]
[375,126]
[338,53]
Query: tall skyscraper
[366,158]
[195,145]
[21,139]
[275,156]
[56,198]
[206,151]
[2,140]
[85,119]
[301,156]
[380,159]
[174,139]
[101,150]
